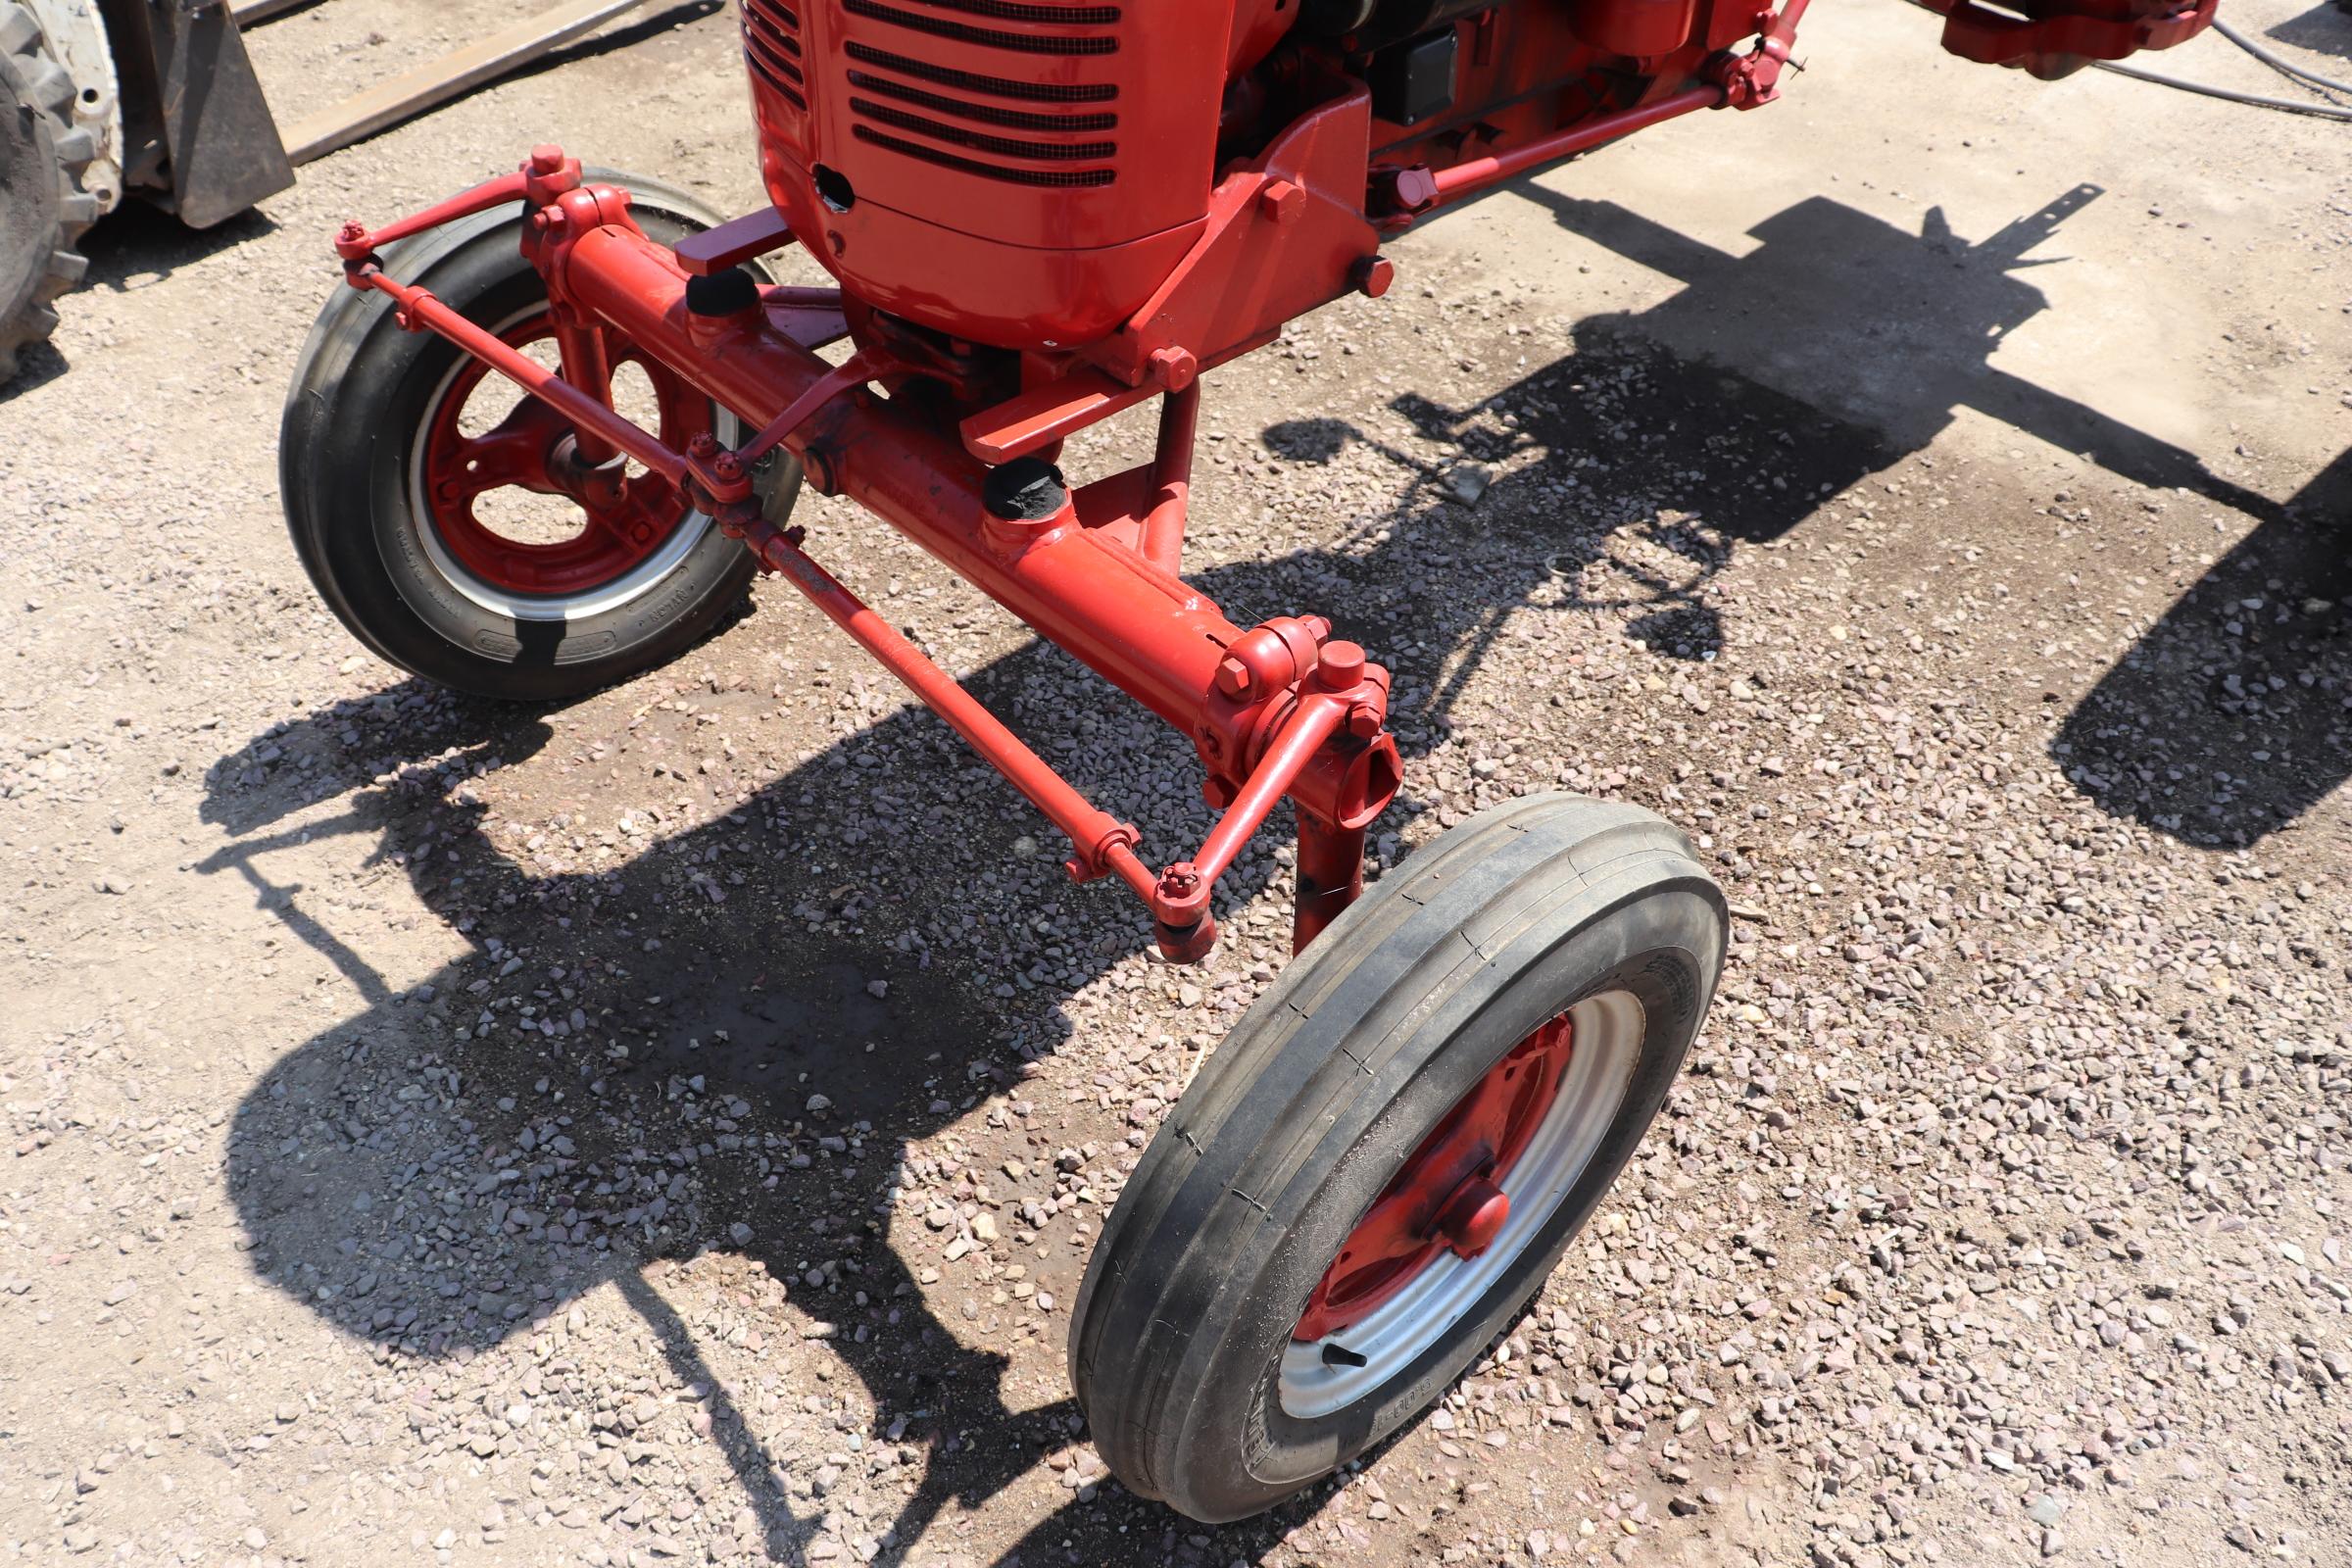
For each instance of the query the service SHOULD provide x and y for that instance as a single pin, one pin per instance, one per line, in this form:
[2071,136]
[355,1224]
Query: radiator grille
[985,114]
[1068,178]
[1043,152]
[953,83]
[1019,11]
[897,106]
[1028,43]
[771,42]
[1040,92]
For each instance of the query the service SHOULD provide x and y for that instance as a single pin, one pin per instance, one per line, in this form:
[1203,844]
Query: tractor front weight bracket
[1282,709]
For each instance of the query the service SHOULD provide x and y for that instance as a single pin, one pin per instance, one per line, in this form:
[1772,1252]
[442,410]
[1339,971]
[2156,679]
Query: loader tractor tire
[43,208]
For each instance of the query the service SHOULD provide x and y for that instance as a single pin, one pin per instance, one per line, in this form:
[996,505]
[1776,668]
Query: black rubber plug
[1024,490]
[725,293]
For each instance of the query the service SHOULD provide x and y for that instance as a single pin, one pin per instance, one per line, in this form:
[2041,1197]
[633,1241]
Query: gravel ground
[672,1127]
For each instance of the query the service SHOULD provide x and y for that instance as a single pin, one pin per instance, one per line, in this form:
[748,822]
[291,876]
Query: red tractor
[1040,213]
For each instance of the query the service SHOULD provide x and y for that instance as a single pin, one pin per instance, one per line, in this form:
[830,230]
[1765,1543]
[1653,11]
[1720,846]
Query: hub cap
[1463,1206]
[610,532]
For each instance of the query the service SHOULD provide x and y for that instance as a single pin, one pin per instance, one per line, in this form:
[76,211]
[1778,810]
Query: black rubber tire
[356,404]
[1320,1094]
[43,208]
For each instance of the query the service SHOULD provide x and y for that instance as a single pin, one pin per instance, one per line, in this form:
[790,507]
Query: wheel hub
[1473,1217]
[1450,1196]
[622,518]
[1484,1186]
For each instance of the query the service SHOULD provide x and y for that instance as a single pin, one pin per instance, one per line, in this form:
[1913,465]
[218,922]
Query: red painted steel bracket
[1285,235]
[735,242]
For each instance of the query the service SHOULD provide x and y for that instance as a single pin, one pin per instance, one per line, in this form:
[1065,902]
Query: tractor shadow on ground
[743,1000]
[1648,470]
[2325,29]
[623,1163]
[2230,718]
[2219,727]
[763,1009]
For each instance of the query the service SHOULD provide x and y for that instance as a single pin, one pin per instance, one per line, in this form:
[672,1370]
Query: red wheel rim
[624,516]
[1449,1196]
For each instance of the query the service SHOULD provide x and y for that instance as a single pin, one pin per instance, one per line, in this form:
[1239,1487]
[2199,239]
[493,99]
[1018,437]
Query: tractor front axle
[1280,710]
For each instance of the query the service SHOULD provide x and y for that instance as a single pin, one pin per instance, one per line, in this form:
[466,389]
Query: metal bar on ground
[253,12]
[382,107]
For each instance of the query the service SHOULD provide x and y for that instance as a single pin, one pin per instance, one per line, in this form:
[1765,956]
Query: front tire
[427,525]
[1474,1048]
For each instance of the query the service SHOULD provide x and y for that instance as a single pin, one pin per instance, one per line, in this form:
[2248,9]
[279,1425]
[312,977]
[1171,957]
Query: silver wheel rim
[1600,1069]
[633,584]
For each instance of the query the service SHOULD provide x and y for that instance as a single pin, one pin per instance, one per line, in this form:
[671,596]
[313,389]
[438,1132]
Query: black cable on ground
[2278,62]
[2292,105]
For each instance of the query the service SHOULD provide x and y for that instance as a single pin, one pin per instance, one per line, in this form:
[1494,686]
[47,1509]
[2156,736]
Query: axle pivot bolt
[1473,1216]
[1343,665]
[1372,275]
[1235,679]
[1281,201]
[1174,368]
[545,159]
[1413,189]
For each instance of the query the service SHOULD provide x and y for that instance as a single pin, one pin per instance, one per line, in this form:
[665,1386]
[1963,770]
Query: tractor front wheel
[451,522]
[1379,1168]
